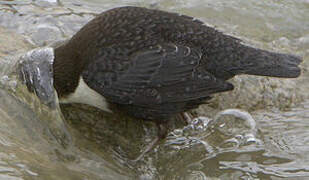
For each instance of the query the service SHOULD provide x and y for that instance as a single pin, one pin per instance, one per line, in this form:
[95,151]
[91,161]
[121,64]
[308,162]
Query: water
[39,142]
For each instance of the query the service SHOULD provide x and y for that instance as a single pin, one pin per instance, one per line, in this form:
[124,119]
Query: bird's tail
[253,61]
[265,63]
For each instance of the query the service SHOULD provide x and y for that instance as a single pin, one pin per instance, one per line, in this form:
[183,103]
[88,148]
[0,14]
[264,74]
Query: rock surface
[12,43]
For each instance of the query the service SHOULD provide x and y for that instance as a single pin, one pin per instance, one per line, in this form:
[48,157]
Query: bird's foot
[149,147]
[187,117]
[162,133]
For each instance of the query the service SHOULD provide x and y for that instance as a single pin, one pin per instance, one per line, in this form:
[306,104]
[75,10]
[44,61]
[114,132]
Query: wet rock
[20,2]
[34,9]
[29,9]
[12,43]
[71,23]
[45,34]
[43,25]
[252,93]
[82,8]
[46,3]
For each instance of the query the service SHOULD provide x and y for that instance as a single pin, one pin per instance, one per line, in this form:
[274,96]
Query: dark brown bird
[154,65]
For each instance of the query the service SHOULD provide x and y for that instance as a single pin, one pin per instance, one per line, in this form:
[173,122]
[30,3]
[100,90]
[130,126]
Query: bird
[153,65]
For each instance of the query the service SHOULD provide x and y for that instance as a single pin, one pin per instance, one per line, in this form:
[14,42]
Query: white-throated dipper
[153,64]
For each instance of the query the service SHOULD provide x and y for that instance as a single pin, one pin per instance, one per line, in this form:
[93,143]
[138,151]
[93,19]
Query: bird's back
[155,64]
[123,31]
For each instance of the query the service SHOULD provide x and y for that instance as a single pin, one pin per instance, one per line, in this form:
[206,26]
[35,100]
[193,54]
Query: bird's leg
[162,133]
[187,117]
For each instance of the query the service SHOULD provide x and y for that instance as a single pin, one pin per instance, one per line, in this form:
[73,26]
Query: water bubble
[233,122]
[250,138]
[200,123]
[177,132]
[233,142]
[239,137]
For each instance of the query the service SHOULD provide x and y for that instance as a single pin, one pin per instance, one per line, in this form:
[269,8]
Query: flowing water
[40,141]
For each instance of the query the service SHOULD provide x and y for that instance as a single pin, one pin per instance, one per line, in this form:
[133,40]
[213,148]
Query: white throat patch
[85,95]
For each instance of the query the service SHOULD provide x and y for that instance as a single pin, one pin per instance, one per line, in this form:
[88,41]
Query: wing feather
[155,76]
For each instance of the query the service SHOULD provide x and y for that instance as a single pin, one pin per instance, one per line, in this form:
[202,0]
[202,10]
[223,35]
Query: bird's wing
[157,75]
